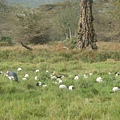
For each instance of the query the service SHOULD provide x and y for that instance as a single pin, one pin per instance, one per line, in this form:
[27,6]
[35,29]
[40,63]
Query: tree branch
[27,47]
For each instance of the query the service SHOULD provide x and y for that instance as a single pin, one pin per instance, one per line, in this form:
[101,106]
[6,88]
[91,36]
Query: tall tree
[86,32]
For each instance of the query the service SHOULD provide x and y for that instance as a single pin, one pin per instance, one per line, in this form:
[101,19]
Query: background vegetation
[51,22]
[45,29]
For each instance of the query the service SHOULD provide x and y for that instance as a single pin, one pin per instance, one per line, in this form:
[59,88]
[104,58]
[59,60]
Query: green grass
[89,100]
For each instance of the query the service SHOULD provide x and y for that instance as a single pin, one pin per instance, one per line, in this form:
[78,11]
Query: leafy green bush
[5,41]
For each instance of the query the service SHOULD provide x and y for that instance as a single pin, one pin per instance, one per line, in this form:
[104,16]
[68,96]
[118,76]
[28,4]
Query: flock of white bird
[58,79]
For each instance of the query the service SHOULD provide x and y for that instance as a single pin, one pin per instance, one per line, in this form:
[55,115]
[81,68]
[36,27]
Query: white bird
[36,78]
[1,72]
[85,76]
[37,70]
[109,73]
[41,84]
[62,76]
[76,77]
[62,86]
[117,73]
[26,76]
[116,89]
[53,77]
[60,81]
[38,83]
[44,85]
[99,79]
[91,74]
[53,73]
[19,69]
[71,87]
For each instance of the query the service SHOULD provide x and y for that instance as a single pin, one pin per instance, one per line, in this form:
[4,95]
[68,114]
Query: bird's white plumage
[53,77]
[44,85]
[117,74]
[60,81]
[116,89]
[39,83]
[24,78]
[99,79]
[76,77]
[109,73]
[62,86]
[36,78]
[71,87]
[37,70]
[26,75]
[90,74]
[85,76]
[19,69]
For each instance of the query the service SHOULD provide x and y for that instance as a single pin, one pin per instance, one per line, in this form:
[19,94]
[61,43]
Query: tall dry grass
[106,50]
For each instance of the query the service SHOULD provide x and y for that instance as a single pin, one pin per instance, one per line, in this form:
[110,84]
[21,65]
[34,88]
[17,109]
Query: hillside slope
[35,3]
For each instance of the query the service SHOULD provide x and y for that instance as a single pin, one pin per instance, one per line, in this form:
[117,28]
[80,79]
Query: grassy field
[89,100]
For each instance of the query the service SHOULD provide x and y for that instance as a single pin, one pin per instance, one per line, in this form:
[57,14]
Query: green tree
[32,26]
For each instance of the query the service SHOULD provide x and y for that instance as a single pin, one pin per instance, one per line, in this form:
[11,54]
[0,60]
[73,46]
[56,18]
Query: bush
[71,42]
[41,39]
[4,44]
[5,41]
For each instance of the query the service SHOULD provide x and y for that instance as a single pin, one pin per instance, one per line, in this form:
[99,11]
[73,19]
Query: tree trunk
[69,32]
[86,32]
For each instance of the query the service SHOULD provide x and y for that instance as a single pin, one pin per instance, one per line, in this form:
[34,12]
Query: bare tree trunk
[69,32]
[86,32]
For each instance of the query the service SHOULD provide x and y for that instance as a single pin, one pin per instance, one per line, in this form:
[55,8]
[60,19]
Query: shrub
[70,42]
[4,44]
[6,39]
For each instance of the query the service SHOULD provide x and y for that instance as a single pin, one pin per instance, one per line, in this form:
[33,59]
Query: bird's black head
[37,84]
[73,87]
